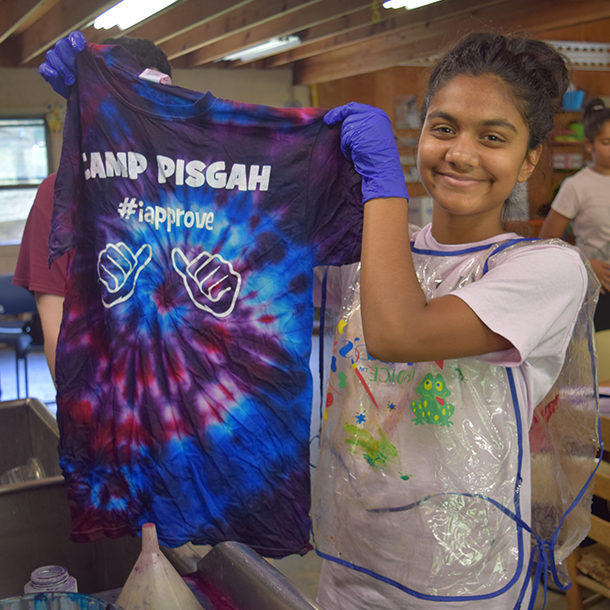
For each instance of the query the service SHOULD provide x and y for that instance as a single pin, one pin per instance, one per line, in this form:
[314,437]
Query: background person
[33,272]
[583,200]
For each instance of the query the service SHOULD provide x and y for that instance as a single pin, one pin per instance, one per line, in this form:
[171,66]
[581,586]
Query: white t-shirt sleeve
[338,281]
[566,201]
[532,298]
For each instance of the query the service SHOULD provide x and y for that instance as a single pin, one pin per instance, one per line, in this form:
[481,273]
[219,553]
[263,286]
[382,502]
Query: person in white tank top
[583,201]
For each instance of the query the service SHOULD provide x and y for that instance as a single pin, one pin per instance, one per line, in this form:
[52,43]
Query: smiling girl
[583,200]
[423,487]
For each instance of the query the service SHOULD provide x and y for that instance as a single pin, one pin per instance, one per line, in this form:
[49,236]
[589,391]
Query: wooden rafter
[320,38]
[175,21]
[394,22]
[427,39]
[238,20]
[63,18]
[339,37]
[14,14]
[310,15]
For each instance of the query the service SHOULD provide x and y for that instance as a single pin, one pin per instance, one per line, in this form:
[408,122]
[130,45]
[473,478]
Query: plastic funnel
[154,584]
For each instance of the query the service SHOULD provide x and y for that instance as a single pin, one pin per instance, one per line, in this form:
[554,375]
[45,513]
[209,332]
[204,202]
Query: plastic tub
[572,100]
[56,601]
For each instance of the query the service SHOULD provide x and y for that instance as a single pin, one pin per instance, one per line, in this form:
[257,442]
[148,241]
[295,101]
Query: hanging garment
[423,480]
[184,389]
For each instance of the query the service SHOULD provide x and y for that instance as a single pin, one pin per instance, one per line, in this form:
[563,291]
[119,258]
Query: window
[24,163]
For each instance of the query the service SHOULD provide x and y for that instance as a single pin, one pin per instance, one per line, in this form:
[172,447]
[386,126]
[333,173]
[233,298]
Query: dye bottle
[49,579]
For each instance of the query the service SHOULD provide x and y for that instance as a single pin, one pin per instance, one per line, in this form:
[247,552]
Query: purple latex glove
[368,141]
[59,69]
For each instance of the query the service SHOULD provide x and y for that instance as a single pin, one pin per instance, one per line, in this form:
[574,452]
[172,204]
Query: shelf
[555,143]
[571,115]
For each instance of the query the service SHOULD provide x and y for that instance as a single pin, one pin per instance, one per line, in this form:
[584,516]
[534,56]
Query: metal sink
[35,517]
[35,531]
[232,576]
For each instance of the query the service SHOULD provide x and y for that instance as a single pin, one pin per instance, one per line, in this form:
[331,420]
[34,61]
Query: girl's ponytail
[594,115]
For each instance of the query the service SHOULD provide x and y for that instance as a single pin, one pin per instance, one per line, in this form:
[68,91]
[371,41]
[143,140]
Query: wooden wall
[595,83]
[378,89]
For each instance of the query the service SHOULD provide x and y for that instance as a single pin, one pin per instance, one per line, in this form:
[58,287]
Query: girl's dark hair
[594,115]
[533,71]
[146,52]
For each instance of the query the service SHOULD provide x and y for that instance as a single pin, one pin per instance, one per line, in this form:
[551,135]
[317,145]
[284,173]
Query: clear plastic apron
[419,477]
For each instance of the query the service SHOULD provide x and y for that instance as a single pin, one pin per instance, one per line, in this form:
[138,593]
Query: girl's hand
[602,270]
[59,69]
[368,141]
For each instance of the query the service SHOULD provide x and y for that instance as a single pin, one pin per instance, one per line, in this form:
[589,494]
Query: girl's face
[600,150]
[472,151]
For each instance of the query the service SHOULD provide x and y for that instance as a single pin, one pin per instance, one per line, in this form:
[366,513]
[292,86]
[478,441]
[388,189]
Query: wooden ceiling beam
[284,25]
[428,39]
[14,14]
[65,17]
[175,20]
[98,36]
[183,17]
[318,37]
[392,21]
[340,37]
[595,31]
[237,20]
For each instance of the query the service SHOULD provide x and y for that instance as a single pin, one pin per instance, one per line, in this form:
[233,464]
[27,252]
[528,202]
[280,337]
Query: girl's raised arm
[400,325]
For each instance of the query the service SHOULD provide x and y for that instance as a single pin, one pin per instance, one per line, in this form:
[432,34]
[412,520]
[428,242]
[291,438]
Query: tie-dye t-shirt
[184,391]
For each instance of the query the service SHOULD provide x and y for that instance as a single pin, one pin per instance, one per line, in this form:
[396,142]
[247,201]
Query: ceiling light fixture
[129,12]
[408,4]
[274,45]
